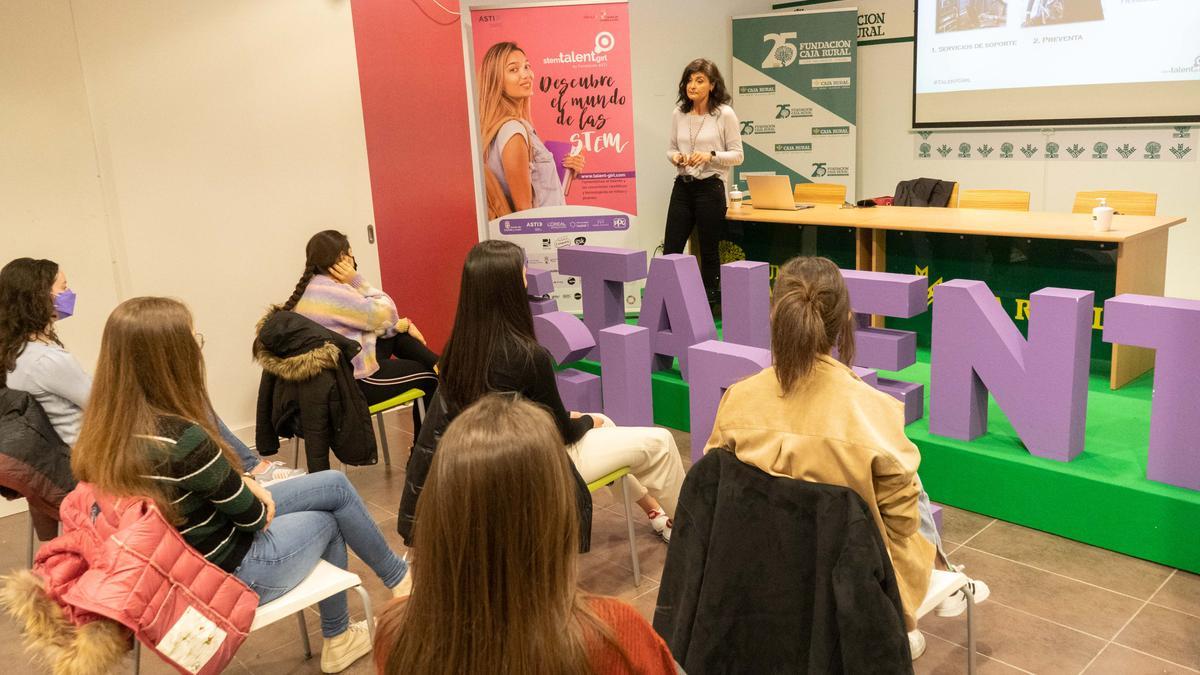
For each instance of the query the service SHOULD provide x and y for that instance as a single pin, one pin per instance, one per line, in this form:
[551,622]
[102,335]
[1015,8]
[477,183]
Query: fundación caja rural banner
[795,83]
[553,118]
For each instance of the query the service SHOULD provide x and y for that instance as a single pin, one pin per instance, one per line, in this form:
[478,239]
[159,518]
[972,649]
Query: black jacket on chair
[774,575]
[923,192]
[34,462]
[308,390]
[436,421]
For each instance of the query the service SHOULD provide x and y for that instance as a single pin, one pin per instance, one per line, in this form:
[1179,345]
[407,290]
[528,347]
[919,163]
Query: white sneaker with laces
[341,651]
[916,643]
[957,604]
[661,524]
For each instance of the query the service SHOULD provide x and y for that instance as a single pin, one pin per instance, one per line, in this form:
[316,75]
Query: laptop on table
[773,192]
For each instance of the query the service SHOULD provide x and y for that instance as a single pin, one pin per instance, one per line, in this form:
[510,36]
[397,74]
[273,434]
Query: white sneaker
[277,473]
[661,524]
[916,643]
[341,651]
[957,603]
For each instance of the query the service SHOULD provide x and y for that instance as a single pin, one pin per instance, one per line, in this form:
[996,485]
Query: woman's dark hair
[717,97]
[322,252]
[810,315]
[26,308]
[493,313]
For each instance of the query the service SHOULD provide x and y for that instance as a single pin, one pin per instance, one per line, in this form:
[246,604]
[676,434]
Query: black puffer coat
[34,462]
[308,390]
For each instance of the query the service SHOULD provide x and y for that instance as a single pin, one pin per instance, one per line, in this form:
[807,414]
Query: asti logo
[1182,132]
[1006,150]
[1153,150]
[1052,150]
[964,150]
[488,18]
[924,151]
[1100,150]
[782,53]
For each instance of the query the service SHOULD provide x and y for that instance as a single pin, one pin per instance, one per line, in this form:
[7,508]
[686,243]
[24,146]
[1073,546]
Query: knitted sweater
[355,310]
[220,513]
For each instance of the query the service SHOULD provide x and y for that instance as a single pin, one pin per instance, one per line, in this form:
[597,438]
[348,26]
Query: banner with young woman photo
[553,120]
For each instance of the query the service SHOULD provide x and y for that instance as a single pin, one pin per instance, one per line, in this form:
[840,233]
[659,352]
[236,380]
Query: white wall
[51,204]
[885,157]
[224,133]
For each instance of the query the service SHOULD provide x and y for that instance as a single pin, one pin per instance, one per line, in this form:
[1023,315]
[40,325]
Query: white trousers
[649,452]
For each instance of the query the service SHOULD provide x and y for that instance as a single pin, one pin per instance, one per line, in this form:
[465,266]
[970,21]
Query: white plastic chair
[324,581]
[943,585]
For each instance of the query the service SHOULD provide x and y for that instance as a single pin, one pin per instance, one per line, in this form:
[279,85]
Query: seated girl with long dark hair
[147,432]
[492,348]
[499,535]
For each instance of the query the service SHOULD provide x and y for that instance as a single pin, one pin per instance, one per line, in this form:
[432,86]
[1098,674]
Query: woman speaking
[705,143]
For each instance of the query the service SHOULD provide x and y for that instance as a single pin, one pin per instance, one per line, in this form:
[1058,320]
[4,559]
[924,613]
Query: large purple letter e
[1040,384]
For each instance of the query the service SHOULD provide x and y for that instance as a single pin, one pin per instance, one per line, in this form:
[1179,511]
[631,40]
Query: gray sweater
[59,384]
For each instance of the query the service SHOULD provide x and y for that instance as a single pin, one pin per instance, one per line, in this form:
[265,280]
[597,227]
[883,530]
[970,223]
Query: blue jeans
[316,516]
[249,459]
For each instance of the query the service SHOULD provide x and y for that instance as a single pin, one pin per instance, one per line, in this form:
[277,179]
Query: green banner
[795,90]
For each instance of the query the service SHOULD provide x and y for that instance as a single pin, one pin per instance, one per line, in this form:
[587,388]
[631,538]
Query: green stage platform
[1101,498]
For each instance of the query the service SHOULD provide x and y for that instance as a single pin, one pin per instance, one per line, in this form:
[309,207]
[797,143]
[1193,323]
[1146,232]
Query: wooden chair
[1125,202]
[998,200]
[953,203]
[820,193]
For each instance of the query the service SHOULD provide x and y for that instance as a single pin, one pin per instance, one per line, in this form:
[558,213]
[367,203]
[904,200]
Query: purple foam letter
[675,309]
[626,370]
[540,282]
[1041,384]
[564,335]
[602,272]
[746,309]
[886,294]
[715,367]
[1172,327]
[579,390]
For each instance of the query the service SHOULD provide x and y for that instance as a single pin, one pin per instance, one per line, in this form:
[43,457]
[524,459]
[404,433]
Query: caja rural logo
[749,128]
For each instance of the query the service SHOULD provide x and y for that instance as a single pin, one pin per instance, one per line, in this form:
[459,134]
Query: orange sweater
[645,649]
[647,652]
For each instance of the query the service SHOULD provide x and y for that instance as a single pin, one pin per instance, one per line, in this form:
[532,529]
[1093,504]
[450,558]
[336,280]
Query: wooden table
[1141,243]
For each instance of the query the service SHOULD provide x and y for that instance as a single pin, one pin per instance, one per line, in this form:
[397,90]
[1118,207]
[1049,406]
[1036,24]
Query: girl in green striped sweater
[146,433]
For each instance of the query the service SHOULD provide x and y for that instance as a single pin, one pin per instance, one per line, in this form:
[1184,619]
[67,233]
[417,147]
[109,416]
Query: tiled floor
[1057,606]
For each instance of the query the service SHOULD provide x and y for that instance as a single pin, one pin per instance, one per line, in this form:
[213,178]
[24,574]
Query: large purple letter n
[1040,384]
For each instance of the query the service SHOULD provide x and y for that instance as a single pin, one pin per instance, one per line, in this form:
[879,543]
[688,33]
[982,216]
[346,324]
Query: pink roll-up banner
[552,114]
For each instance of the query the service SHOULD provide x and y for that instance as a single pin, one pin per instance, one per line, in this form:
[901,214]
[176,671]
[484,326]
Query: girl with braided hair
[332,293]
[810,417]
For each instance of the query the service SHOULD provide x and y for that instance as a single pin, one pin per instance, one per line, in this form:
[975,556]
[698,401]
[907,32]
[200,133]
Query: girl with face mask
[34,295]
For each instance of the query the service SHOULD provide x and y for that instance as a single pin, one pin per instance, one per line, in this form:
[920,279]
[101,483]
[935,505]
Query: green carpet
[1101,498]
